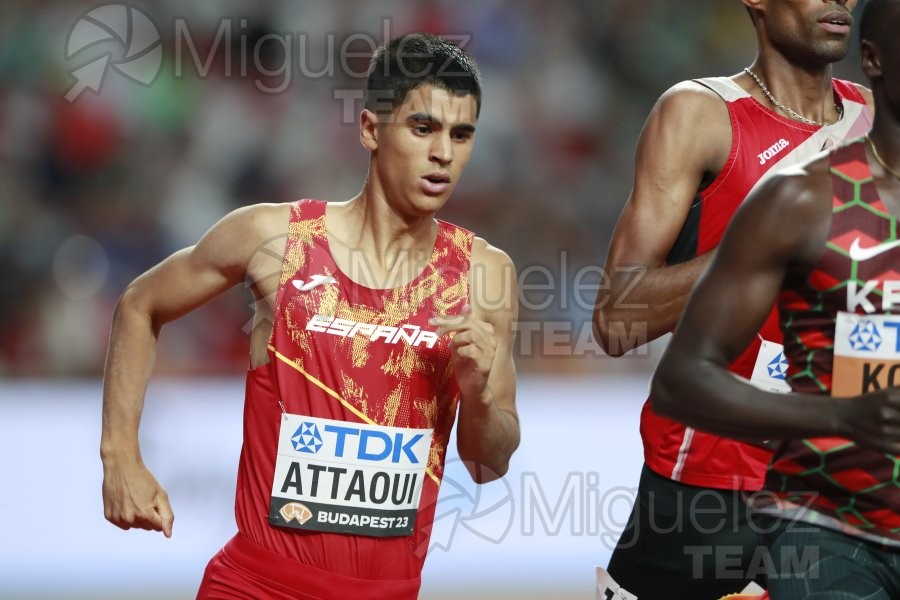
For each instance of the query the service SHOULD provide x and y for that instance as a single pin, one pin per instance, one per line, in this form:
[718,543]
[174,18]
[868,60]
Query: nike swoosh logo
[859,253]
[314,281]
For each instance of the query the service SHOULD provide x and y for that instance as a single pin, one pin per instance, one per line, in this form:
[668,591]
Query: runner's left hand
[473,347]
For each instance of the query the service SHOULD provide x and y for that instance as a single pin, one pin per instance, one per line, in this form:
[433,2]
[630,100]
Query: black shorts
[683,541]
[809,561]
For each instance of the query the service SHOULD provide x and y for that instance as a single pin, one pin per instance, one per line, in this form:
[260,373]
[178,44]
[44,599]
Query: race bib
[348,477]
[866,353]
[608,589]
[770,369]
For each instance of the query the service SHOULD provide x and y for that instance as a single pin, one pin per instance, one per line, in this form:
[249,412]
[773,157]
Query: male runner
[370,329]
[705,145]
[821,239]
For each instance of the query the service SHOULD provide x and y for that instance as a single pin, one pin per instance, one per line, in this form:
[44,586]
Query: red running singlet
[762,142]
[346,428]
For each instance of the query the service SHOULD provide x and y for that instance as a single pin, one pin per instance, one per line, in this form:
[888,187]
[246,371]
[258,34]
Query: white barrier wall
[539,531]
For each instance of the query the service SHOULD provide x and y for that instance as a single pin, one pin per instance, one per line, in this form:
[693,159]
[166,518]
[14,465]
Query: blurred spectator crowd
[95,191]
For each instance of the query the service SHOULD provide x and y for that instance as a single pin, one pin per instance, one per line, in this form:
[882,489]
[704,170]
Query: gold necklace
[788,110]
[879,159]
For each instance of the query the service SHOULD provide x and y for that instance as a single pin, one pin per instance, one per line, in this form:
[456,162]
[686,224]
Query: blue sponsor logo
[778,367]
[307,438]
[865,336]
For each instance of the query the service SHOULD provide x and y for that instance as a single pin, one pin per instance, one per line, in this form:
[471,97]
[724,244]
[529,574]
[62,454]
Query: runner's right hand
[133,498]
[873,419]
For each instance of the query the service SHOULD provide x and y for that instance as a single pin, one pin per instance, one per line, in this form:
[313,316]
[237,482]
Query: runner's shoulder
[689,126]
[492,257]
[695,100]
[260,222]
[691,112]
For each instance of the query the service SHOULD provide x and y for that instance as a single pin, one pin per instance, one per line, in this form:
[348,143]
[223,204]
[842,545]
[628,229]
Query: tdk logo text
[374,445]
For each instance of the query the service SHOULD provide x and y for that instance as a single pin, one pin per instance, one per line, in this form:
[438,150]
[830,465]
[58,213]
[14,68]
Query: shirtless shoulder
[264,229]
[693,119]
[493,286]
[698,104]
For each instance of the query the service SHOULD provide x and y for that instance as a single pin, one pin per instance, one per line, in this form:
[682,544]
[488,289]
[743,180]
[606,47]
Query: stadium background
[95,191]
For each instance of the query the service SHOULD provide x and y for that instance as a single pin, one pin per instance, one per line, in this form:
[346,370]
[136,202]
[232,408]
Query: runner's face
[423,147]
[809,32]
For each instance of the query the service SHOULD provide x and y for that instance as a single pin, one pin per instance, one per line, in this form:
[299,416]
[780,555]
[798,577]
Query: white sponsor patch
[368,477]
[608,589]
[866,353]
[770,368]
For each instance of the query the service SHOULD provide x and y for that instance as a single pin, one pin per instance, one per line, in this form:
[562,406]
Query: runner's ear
[368,130]
[870,59]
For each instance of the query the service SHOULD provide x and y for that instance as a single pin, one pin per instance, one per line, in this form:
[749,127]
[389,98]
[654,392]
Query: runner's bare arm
[482,346]
[768,235]
[179,284]
[783,226]
[686,141]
